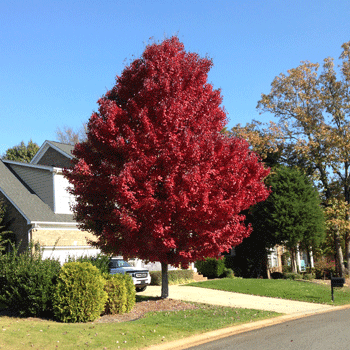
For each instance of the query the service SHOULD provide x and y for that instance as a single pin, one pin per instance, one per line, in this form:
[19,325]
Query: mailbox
[337,282]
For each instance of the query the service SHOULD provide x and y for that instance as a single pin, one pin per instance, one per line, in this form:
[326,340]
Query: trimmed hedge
[211,267]
[121,294]
[309,276]
[174,277]
[27,281]
[79,294]
[293,276]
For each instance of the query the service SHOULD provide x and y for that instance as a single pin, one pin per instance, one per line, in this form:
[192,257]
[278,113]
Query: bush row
[27,282]
[76,292]
[224,267]
[174,277]
[292,276]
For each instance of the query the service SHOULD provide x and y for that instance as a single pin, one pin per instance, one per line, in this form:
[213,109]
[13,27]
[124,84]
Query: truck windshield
[118,263]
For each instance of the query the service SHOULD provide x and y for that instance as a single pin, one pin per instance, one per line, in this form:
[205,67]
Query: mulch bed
[138,311]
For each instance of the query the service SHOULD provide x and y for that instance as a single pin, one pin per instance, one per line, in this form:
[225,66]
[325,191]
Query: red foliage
[156,179]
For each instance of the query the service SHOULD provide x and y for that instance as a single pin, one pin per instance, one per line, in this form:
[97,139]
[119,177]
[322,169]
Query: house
[37,200]
[303,259]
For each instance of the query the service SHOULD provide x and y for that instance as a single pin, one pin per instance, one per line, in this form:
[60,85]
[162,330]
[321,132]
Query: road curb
[203,338]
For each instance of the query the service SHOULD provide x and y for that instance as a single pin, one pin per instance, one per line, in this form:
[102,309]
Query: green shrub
[79,294]
[308,276]
[324,269]
[27,281]
[121,294]
[292,276]
[211,267]
[228,273]
[277,275]
[130,293]
[174,277]
[100,261]
[286,268]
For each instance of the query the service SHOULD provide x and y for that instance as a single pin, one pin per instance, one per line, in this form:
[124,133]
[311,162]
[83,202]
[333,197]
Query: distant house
[37,199]
[303,259]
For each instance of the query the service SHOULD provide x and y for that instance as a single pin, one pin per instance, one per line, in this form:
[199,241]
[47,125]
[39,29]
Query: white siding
[62,198]
[62,253]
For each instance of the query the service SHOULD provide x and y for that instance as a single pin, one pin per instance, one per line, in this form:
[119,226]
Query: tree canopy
[312,131]
[22,153]
[156,179]
[292,215]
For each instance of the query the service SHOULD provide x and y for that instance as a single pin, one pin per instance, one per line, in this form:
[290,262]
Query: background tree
[292,215]
[21,152]
[336,213]
[272,145]
[313,123]
[6,236]
[156,179]
[250,259]
[70,136]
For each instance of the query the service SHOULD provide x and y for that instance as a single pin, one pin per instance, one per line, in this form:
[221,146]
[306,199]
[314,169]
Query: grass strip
[155,328]
[284,289]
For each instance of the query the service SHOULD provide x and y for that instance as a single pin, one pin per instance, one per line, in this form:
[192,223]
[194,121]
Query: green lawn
[285,289]
[22,333]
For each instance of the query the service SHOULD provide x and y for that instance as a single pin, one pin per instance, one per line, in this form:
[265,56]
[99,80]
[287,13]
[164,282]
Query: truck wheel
[141,289]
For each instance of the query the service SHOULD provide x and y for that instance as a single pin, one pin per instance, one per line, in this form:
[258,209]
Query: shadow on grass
[6,311]
[140,298]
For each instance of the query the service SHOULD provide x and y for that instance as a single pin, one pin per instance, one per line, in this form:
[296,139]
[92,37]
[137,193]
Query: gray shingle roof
[28,203]
[64,147]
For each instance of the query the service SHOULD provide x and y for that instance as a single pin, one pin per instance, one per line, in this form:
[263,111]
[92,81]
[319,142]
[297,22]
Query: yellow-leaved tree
[312,107]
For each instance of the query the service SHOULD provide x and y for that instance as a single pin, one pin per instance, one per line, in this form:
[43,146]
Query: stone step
[198,278]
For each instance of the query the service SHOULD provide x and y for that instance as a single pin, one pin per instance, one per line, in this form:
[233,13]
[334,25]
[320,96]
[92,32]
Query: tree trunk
[293,260]
[308,259]
[165,284]
[347,252]
[339,253]
[264,268]
[347,215]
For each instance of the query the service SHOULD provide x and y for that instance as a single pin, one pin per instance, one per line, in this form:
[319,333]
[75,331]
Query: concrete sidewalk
[217,297]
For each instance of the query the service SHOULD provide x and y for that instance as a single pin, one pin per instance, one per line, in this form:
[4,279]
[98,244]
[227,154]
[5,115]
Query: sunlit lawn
[285,289]
[22,333]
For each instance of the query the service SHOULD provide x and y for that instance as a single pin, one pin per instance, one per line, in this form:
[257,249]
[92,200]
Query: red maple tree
[156,179]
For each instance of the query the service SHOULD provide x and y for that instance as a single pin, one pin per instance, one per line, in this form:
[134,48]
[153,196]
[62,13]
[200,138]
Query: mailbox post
[336,282]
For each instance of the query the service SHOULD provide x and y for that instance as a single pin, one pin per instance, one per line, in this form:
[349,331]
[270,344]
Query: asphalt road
[328,331]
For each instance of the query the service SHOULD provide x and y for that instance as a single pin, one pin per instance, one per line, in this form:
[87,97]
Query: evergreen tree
[292,215]
[21,152]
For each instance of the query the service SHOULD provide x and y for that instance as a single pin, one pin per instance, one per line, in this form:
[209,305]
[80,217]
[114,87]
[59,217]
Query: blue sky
[58,57]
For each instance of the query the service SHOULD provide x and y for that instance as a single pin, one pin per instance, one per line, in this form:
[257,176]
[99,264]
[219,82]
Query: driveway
[217,297]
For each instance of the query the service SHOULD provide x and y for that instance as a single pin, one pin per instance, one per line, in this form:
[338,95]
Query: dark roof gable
[31,207]
[55,154]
